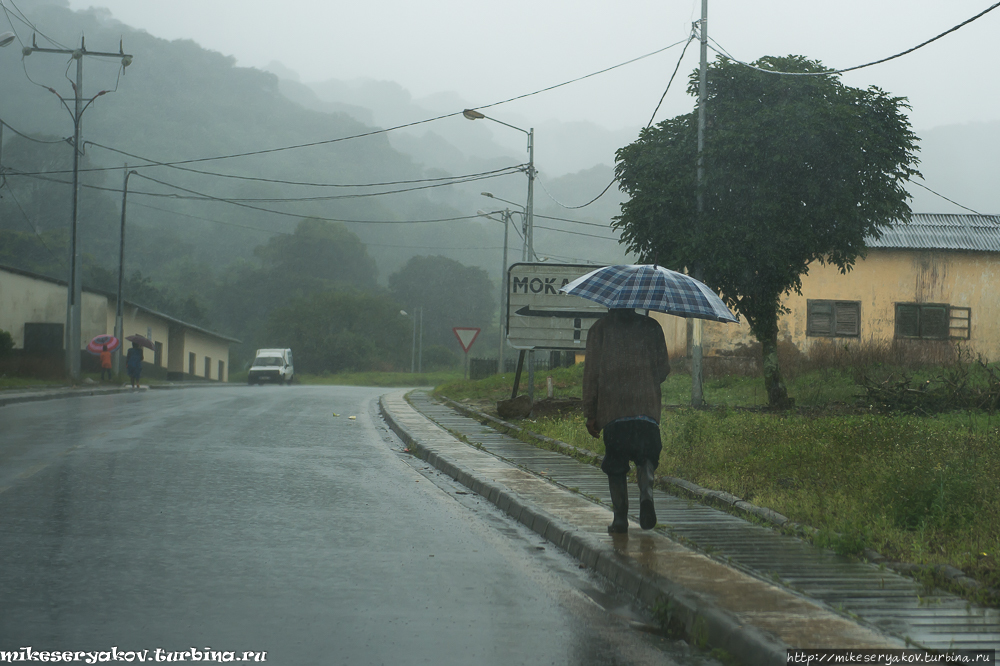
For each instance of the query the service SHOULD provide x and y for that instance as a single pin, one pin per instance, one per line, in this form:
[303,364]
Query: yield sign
[466,336]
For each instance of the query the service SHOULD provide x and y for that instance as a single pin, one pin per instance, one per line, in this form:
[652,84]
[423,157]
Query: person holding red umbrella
[105,362]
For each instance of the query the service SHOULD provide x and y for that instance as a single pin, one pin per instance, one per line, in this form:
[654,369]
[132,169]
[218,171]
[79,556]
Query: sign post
[466,336]
[539,316]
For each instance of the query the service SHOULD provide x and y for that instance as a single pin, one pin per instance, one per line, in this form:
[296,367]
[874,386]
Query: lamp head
[472,114]
[6,38]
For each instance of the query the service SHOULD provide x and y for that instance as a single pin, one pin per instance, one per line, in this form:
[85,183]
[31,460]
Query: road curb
[685,612]
[87,392]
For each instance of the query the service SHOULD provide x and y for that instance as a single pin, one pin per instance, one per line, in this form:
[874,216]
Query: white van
[272,365]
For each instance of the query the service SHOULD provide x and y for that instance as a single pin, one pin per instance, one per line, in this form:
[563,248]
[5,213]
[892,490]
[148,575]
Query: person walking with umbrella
[133,363]
[105,362]
[625,364]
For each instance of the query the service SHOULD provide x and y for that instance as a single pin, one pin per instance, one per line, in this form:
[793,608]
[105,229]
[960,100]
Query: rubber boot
[647,511]
[619,501]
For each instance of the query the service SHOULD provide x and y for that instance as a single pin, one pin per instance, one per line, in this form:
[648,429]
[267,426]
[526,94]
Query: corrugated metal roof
[928,231]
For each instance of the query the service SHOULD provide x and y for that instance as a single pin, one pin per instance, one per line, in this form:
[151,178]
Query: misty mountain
[180,102]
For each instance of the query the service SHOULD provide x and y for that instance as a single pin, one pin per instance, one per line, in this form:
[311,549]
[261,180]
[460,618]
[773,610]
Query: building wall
[136,321]
[203,346]
[25,299]
[884,278]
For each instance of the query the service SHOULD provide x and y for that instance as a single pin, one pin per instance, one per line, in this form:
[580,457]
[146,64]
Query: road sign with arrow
[539,316]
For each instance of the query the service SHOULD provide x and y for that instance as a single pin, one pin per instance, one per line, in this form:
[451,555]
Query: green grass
[815,389]
[380,378]
[28,382]
[920,489]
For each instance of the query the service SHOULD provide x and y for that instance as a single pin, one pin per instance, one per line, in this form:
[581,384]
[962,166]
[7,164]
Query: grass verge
[918,489]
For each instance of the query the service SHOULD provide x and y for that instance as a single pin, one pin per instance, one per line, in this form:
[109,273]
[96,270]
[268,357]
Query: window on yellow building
[933,321]
[833,319]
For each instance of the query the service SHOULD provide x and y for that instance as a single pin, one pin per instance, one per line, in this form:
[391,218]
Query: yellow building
[33,311]
[935,279]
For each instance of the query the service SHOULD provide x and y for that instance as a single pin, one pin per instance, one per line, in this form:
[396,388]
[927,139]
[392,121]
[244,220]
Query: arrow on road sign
[466,336]
[526,311]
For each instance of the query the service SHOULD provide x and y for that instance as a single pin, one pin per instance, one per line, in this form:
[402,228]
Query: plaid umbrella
[650,288]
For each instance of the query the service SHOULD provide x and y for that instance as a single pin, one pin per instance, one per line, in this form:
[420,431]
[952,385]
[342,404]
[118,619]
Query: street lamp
[472,114]
[6,38]
[416,360]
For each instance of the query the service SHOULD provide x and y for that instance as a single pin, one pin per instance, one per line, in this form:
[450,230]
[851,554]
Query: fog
[444,54]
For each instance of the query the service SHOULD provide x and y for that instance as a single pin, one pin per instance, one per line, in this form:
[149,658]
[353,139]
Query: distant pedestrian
[105,363]
[133,364]
[625,364]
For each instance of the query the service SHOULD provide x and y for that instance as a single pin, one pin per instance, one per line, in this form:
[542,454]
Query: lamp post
[416,359]
[529,251]
[74,285]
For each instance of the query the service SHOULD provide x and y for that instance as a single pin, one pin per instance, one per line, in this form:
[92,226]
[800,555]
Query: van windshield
[267,360]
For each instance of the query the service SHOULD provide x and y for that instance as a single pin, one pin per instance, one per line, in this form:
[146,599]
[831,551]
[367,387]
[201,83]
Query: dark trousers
[107,370]
[638,441]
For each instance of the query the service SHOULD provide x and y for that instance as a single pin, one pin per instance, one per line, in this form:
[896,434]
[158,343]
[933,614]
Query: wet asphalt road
[253,519]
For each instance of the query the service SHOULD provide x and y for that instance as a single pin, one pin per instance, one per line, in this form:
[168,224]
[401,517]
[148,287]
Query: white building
[33,311]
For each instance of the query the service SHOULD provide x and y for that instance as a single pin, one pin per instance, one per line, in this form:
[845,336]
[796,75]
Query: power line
[662,97]
[197,196]
[415,123]
[299,215]
[153,162]
[25,136]
[944,197]
[577,233]
[21,16]
[725,54]
[565,219]
[292,233]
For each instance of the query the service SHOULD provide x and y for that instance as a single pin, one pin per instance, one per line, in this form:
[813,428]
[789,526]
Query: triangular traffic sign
[466,336]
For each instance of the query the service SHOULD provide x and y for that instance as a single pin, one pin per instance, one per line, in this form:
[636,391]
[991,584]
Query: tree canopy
[450,293]
[797,169]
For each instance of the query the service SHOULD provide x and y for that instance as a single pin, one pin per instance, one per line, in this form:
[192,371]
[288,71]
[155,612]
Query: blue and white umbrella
[650,288]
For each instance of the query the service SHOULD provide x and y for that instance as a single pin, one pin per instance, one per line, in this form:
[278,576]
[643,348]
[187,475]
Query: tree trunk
[777,394]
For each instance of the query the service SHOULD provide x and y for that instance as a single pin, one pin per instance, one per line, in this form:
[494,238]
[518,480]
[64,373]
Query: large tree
[798,169]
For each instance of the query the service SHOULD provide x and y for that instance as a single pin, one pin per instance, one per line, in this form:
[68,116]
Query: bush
[6,343]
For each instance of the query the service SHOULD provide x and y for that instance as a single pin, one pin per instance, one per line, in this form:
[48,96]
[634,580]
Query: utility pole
[74,286]
[697,398]
[503,292]
[120,304]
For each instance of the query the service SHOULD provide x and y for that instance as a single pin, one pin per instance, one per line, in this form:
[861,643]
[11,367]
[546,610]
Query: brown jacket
[626,363]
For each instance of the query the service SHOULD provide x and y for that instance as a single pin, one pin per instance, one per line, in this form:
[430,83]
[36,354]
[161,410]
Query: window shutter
[848,319]
[960,323]
[934,321]
[820,319]
[907,321]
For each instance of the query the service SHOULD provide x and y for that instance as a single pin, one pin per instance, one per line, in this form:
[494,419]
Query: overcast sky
[487,52]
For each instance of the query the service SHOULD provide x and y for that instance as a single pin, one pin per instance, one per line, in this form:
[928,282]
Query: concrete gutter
[708,603]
